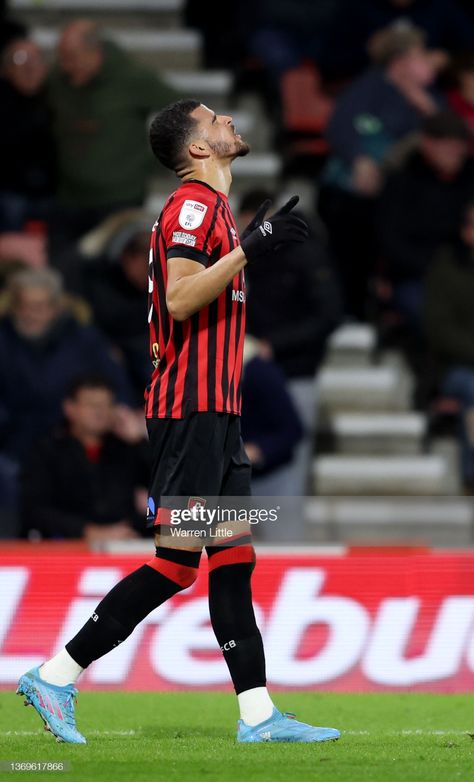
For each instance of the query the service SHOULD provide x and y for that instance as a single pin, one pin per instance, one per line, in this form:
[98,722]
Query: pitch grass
[186,737]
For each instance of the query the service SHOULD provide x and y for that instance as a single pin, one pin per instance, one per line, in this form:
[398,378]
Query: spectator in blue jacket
[271,426]
[380,108]
[271,430]
[446,23]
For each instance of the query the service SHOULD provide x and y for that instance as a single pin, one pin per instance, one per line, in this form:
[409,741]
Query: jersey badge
[180,237]
[192,214]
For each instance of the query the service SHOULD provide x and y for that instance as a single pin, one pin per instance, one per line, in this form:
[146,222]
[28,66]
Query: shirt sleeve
[189,226]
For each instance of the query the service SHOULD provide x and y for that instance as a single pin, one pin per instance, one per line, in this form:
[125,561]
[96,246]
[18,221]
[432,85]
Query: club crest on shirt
[196,502]
[192,214]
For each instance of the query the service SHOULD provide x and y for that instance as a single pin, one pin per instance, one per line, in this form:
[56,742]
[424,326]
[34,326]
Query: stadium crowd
[392,242]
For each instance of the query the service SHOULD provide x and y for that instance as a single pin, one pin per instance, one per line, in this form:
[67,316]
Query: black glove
[270,234]
[257,220]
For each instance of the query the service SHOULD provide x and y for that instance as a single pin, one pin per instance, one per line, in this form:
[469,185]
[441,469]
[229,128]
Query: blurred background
[359,364]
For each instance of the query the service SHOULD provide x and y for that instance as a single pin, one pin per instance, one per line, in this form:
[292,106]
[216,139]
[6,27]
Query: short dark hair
[170,131]
[445,124]
[89,382]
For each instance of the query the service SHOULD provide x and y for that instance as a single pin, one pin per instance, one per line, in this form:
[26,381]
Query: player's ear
[199,150]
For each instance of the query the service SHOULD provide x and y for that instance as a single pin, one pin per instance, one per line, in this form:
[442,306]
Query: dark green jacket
[100,129]
[449,307]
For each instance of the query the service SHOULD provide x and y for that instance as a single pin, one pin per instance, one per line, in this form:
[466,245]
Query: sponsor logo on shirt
[192,214]
[238,296]
[180,237]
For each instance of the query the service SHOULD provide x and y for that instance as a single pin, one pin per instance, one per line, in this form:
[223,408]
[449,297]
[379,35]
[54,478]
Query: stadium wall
[347,620]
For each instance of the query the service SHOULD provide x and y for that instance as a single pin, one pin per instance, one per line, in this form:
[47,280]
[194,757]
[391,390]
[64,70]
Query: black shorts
[199,455]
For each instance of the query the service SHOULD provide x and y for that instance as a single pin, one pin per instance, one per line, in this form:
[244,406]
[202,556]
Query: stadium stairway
[382,480]
[152,31]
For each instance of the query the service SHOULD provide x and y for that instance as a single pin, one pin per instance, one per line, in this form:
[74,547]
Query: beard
[231,150]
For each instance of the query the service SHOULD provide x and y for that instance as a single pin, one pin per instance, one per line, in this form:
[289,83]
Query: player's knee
[186,576]
[181,567]
[226,556]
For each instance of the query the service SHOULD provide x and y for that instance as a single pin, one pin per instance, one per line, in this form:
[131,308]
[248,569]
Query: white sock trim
[61,669]
[255,705]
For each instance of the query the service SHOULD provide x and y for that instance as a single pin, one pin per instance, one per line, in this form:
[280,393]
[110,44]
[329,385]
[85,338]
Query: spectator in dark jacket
[80,481]
[461,97]
[115,284]
[422,206]
[449,327]
[271,426]
[294,302]
[42,349]
[101,100]
[272,432]
[27,156]
[293,306]
[378,110]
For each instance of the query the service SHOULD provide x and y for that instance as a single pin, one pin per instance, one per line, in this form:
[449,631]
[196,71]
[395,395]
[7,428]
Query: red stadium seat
[306,109]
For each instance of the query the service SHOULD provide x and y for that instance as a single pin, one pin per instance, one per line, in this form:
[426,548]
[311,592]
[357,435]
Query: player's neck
[216,176]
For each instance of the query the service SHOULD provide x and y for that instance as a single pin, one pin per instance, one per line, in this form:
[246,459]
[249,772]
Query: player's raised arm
[191,287]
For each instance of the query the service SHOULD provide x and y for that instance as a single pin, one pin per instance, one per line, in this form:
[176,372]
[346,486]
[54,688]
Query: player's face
[218,131]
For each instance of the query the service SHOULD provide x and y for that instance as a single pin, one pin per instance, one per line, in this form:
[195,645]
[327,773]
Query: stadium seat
[305,113]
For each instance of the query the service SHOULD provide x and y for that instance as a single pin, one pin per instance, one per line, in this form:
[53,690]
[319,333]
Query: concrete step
[352,344]
[170,49]
[204,85]
[384,433]
[449,448]
[382,475]
[444,521]
[165,13]
[364,389]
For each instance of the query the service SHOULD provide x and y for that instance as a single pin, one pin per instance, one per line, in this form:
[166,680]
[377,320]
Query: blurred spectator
[223,34]
[293,306]
[461,98]
[283,33]
[27,156]
[101,100]
[115,284]
[43,348]
[449,326]
[379,109]
[20,250]
[9,28]
[271,427]
[421,208]
[81,480]
[445,23]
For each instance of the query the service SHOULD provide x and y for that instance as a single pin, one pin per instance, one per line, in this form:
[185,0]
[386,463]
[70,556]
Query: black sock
[234,625]
[130,601]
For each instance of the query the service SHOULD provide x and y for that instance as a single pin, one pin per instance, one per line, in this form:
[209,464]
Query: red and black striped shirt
[197,362]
